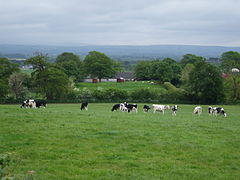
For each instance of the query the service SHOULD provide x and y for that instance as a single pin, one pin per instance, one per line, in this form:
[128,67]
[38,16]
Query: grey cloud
[206,22]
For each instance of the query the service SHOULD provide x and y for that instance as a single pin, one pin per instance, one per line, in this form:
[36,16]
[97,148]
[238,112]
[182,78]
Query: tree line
[192,78]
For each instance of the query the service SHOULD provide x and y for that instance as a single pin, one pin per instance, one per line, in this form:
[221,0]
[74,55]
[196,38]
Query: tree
[6,69]
[142,70]
[186,73]
[72,65]
[16,83]
[48,79]
[99,65]
[229,60]
[176,70]
[161,71]
[206,83]
[191,59]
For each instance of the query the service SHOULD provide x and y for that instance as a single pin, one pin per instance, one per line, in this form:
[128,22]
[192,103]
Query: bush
[115,94]
[145,94]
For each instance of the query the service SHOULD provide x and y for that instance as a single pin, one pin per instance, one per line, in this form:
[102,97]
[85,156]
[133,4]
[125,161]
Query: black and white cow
[197,110]
[146,108]
[116,107]
[29,103]
[210,110]
[125,107]
[84,106]
[174,110]
[217,110]
[132,107]
[24,104]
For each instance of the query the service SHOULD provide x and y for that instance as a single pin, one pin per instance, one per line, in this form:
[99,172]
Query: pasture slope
[62,142]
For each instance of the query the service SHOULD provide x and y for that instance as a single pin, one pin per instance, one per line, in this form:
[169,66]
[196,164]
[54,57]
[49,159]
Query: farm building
[119,77]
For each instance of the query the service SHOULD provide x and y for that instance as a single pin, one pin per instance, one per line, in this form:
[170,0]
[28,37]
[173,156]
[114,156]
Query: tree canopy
[99,65]
[48,79]
[229,60]
[206,83]
[6,69]
[191,59]
[72,65]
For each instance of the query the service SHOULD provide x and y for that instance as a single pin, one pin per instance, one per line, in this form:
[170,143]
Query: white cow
[197,110]
[160,108]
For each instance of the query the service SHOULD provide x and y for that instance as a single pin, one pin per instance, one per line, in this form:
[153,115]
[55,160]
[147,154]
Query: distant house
[119,77]
[127,76]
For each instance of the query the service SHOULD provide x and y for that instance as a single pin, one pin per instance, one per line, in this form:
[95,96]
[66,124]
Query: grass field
[128,85]
[62,142]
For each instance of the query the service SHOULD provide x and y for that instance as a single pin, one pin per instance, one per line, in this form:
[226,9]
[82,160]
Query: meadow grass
[128,85]
[63,142]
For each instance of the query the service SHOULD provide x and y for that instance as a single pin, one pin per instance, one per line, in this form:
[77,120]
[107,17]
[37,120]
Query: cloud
[73,22]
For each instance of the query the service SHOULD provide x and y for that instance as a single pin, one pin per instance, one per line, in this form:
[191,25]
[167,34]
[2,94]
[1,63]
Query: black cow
[84,106]
[41,102]
[116,107]
[146,108]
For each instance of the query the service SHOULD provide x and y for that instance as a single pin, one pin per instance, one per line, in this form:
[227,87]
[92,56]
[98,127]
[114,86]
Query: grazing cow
[197,110]
[24,104]
[217,110]
[41,102]
[123,107]
[131,107]
[84,106]
[116,107]
[146,108]
[174,110]
[160,108]
[210,110]
[30,103]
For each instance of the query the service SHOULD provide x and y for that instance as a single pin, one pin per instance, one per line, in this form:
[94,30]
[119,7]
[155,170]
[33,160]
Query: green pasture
[127,85]
[63,142]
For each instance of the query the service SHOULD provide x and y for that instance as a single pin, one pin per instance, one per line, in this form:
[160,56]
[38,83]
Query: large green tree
[176,70]
[16,84]
[191,59]
[48,79]
[230,60]
[72,65]
[6,69]
[100,65]
[161,71]
[206,83]
[142,70]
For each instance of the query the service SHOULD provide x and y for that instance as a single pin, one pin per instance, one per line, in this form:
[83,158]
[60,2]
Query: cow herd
[126,107]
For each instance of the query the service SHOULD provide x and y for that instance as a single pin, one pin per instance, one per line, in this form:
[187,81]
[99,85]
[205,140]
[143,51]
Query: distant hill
[124,52]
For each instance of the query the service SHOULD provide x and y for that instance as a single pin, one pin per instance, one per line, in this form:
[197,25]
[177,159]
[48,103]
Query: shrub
[144,94]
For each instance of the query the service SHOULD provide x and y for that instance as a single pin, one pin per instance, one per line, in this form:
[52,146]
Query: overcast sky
[120,22]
